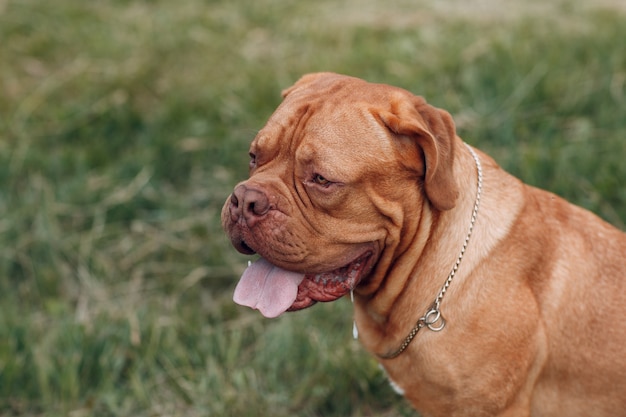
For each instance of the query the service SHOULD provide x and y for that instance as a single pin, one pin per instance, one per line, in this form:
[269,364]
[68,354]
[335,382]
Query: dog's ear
[433,130]
[307,80]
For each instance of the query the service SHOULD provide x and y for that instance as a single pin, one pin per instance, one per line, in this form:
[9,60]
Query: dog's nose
[250,203]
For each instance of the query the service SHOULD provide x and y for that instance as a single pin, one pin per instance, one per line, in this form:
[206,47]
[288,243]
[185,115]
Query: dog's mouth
[273,290]
[329,286]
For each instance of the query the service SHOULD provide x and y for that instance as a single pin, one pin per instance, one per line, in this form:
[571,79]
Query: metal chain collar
[433,319]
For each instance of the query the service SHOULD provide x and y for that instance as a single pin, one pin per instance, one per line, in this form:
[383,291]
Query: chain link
[433,319]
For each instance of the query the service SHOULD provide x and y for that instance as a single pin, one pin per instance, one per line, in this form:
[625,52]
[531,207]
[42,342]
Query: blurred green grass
[124,124]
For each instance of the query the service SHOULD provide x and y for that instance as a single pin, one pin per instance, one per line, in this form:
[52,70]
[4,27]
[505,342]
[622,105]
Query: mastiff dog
[479,295]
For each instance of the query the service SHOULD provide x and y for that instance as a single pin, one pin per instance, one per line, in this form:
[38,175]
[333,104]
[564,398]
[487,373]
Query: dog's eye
[252,160]
[320,180]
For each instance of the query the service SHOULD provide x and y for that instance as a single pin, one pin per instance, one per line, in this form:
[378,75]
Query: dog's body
[366,187]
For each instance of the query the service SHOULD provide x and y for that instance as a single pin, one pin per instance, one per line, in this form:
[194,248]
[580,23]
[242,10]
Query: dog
[478,294]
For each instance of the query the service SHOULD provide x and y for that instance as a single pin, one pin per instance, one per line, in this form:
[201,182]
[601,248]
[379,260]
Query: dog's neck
[440,235]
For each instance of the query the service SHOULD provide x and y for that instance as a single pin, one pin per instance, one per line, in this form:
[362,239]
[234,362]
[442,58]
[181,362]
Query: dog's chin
[332,285]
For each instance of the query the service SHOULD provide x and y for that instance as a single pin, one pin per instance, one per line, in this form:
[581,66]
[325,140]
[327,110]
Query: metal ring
[430,323]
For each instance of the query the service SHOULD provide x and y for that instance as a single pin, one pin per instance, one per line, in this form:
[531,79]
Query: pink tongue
[268,288]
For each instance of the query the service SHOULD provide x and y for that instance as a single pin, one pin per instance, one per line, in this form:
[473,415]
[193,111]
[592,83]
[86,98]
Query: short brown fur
[536,315]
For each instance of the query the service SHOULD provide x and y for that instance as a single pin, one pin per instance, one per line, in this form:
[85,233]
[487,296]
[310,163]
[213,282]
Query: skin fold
[368,180]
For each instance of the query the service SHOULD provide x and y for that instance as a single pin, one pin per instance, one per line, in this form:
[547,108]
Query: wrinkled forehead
[348,134]
[343,106]
[326,127]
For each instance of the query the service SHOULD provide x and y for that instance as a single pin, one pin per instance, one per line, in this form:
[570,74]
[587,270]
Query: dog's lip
[244,248]
[332,285]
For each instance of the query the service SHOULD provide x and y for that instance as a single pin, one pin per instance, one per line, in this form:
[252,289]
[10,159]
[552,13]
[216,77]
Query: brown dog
[480,295]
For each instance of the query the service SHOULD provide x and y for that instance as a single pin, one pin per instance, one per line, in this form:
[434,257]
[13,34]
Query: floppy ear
[433,131]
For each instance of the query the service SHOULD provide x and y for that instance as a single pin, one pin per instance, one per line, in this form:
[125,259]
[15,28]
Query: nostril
[251,203]
[234,209]
[258,206]
[255,203]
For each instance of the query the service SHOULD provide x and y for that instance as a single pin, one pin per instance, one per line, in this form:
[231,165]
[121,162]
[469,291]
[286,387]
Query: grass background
[125,123]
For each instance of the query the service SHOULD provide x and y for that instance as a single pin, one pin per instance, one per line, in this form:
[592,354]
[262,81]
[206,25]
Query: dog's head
[339,177]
